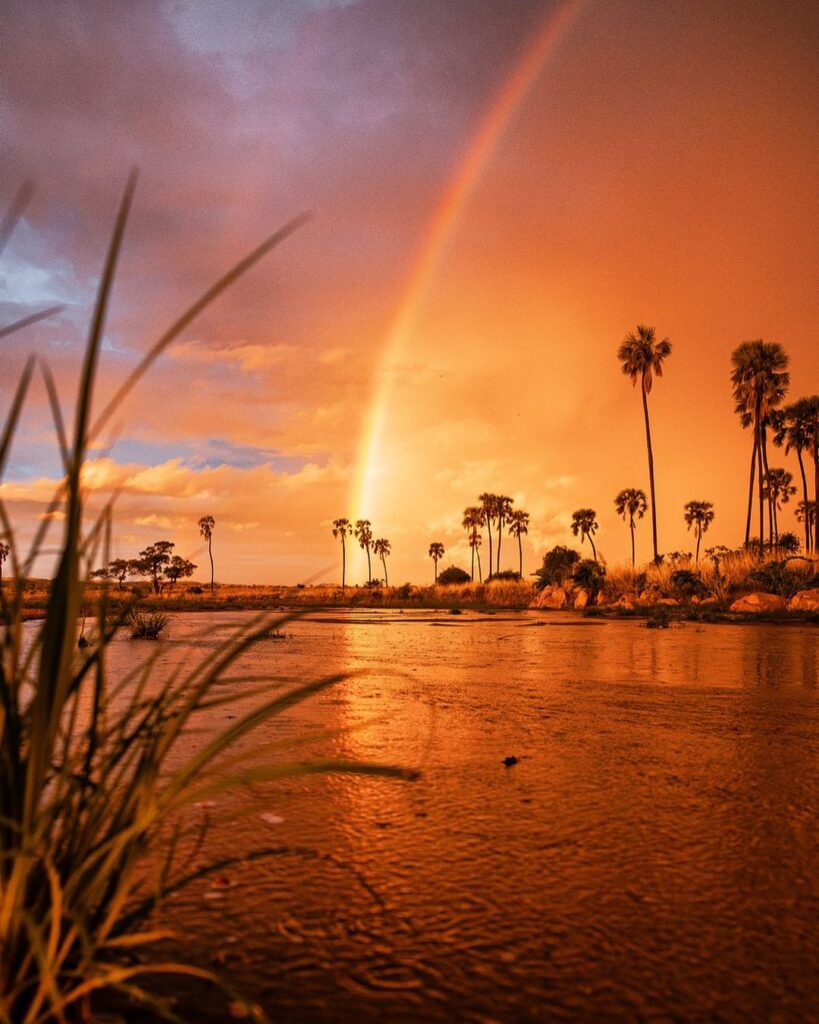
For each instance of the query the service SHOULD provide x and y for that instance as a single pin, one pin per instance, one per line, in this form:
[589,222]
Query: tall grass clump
[89,804]
[147,625]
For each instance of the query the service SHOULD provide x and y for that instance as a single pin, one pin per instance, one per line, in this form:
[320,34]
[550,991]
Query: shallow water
[651,856]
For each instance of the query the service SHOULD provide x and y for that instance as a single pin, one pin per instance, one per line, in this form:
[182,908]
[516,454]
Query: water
[652,855]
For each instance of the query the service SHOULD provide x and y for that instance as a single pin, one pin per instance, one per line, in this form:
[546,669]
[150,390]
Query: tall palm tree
[489,506]
[472,521]
[778,490]
[642,358]
[503,510]
[206,525]
[584,522]
[343,529]
[519,524]
[629,503]
[700,515]
[805,512]
[760,381]
[382,548]
[5,551]
[475,544]
[811,414]
[794,429]
[436,551]
[364,535]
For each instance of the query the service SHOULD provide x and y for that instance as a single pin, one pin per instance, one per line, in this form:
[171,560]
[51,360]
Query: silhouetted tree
[364,535]
[760,382]
[629,503]
[206,525]
[794,428]
[779,489]
[699,515]
[503,509]
[382,548]
[436,552]
[806,513]
[342,528]
[584,522]
[152,561]
[489,506]
[642,357]
[519,524]
[177,568]
[472,521]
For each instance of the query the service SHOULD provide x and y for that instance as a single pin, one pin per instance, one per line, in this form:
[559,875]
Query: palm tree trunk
[815,493]
[594,549]
[751,493]
[489,531]
[210,555]
[633,558]
[472,572]
[369,566]
[764,444]
[650,476]
[500,538]
[384,563]
[699,538]
[435,564]
[520,556]
[761,494]
[805,499]
[480,574]
[343,563]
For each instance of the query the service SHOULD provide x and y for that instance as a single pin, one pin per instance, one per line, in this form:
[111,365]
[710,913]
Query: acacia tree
[584,522]
[503,509]
[364,535]
[206,525]
[779,489]
[472,521]
[489,505]
[642,357]
[518,524]
[794,429]
[699,515]
[436,552]
[152,561]
[382,548]
[760,382]
[5,551]
[629,503]
[342,528]
[177,568]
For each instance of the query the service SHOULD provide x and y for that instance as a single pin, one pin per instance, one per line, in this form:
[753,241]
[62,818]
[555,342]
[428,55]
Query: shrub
[404,591]
[686,584]
[146,625]
[507,574]
[196,590]
[658,617]
[775,578]
[589,575]
[789,543]
[453,574]
[557,566]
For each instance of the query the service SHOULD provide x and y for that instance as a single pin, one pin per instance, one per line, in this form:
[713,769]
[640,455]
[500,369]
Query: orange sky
[661,167]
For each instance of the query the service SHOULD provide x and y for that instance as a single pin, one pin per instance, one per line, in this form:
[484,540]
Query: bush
[453,574]
[404,591]
[196,590]
[659,617]
[557,566]
[147,625]
[686,584]
[775,578]
[507,574]
[589,575]
[789,543]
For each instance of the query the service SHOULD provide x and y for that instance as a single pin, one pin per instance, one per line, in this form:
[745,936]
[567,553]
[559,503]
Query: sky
[498,192]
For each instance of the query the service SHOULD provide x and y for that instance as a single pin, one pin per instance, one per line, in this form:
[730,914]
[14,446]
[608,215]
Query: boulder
[805,601]
[759,602]
[555,599]
[624,605]
[667,600]
[581,598]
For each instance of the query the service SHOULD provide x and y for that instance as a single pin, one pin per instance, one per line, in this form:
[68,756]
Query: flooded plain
[651,856]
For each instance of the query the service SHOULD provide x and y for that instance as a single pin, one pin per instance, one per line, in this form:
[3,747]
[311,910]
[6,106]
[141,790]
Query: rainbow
[485,141]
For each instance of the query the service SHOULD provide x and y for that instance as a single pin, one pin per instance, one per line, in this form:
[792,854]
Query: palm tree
[809,408]
[642,357]
[5,551]
[778,490]
[489,505]
[519,524]
[700,515]
[472,521]
[475,544]
[206,525]
[629,503]
[436,551]
[503,510]
[806,513]
[382,548]
[364,535]
[760,381]
[794,428]
[342,528]
[584,522]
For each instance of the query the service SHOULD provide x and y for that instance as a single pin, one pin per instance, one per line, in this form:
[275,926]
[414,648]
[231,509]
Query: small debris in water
[509,761]
[272,819]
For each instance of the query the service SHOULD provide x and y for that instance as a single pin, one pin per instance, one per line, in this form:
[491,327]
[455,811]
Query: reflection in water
[650,856]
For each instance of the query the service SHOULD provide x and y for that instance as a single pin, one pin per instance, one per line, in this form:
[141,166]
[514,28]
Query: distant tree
[503,509]
[518,524]
[5,551]
[779,489]
[489,507]
[206,525]
[343,529]
[364,535]
[119,569]
[558,563]
[584,522]
[152,561]
[177,568]
[805,512]
[794,427]
[452,574]
[642,357]
[699,515]
[382,548]
[629,503]
[436,552]
[473,520]
[760,382]
[788,543]
[589,575]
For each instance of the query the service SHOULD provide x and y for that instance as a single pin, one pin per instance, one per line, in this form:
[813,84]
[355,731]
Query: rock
[581,598]
[759,602]
[624,605]
[556,599]
[805,601]
[509,761]
[667,600]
